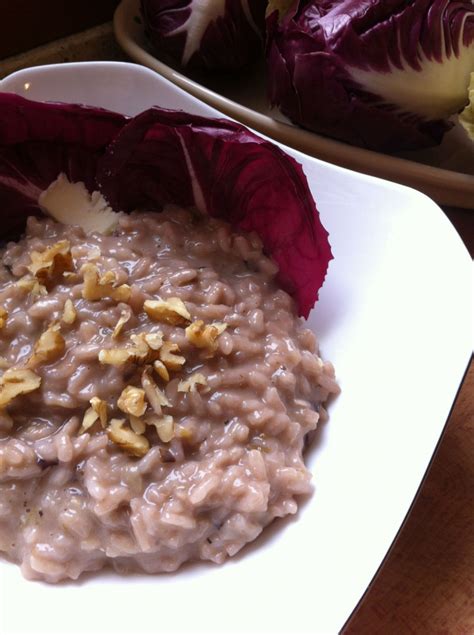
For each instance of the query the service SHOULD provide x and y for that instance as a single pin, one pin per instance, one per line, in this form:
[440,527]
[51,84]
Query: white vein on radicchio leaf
[210,34]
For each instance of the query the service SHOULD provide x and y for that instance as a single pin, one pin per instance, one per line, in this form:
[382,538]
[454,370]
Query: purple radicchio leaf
[211,34]
[228,172]
[161,157]
[379,74]
[40,140]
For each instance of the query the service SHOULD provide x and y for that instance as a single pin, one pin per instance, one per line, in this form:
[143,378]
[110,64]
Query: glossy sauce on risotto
[156,392]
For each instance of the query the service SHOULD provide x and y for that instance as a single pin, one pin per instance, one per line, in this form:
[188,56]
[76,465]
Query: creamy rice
[72,502]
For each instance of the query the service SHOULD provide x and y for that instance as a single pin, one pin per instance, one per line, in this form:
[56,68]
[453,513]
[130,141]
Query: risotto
[157,389]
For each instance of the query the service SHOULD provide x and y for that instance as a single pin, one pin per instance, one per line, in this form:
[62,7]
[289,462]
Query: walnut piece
[28,283]
[147,348]
[164,426]
[100,407]
[119,356]
[97,411]
[137,424]
[3,317]
[171,311]
[16,381]
[205,335]
[48,347]
[190,384]
[48,265]
[125,315]
[97,287]
[132,401]
[109,277]
[90,417]
[169,358]
[133,443]
[155,396]
[154,340]
[69,312]
[141,344]
[161,370]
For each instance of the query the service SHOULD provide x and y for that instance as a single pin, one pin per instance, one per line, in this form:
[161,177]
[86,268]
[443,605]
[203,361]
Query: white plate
[394,316]
[446,173]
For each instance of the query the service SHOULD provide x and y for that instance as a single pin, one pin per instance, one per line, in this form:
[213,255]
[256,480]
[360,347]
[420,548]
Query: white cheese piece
[72,204]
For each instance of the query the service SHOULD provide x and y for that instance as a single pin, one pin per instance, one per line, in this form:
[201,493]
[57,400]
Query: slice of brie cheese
[72,204]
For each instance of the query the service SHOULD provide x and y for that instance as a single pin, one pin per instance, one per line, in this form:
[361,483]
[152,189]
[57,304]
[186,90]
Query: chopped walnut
[169,358]
[100,407]
[155,396]
[139,340]
[161,370]
[146,349]
[190,384]
[16,381]
[90,417]
[125,315]
[171,311]
[137,424]
[133,443]
[28,283]
[97,412]
[69,312]
[132,401]
[154,340]
[49,264]
[118,356]
[97,287]
[3,317]
[205,335]
[49,346]
[109,277]
[164,426]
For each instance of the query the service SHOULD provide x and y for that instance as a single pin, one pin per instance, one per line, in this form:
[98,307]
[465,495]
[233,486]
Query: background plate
[446,173]
[394,316]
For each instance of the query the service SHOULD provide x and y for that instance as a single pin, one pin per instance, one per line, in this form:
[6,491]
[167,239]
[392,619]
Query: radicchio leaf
[211,34]
[378,74]
[38,141]
[165,156]
[227,172]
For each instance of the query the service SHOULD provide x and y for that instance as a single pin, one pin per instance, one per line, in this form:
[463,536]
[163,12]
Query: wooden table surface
[426,584]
